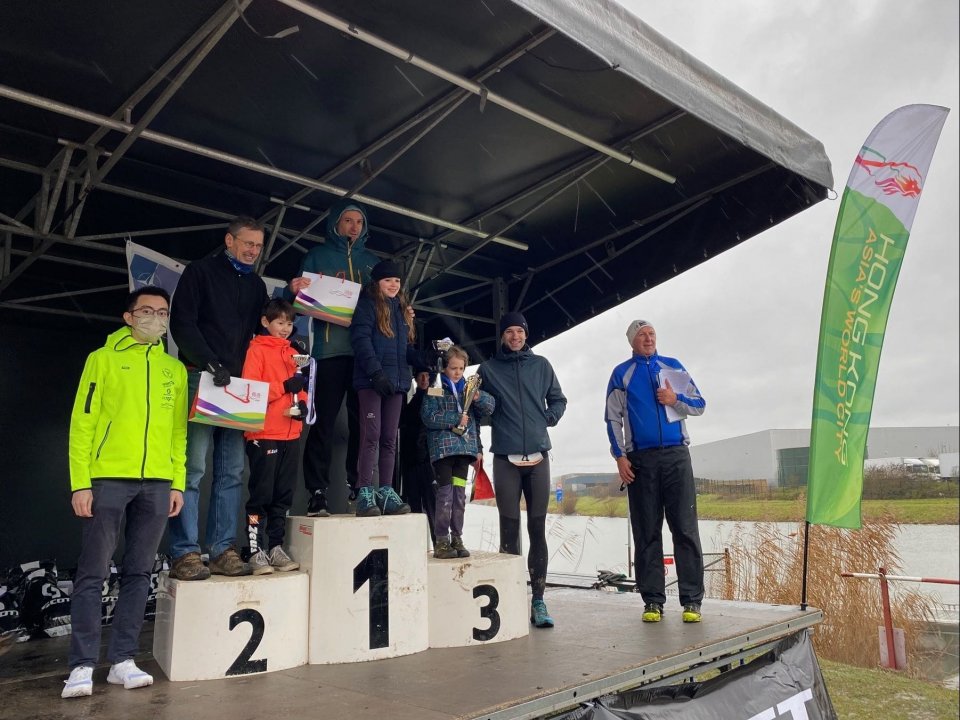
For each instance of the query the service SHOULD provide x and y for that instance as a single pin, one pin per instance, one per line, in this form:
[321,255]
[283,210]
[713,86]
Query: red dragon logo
[893,178]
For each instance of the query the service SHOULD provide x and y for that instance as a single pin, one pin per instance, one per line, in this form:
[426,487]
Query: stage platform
[599,646]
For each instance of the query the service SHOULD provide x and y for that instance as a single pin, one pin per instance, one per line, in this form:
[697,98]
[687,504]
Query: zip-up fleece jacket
[337,255]
[373,351]
[634,418]
[441,414]
[129,419]
[215,312]
[270,360]
[529,401]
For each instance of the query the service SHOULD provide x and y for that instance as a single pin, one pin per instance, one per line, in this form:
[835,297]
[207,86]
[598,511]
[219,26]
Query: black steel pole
[806,545]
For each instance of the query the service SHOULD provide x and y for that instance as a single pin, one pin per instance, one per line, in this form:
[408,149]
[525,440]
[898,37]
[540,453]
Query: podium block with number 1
[368,585]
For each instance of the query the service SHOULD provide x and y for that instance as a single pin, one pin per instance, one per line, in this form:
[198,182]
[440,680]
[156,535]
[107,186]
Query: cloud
[746,322]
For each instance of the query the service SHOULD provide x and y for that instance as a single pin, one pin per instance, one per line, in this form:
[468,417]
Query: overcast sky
[746,322]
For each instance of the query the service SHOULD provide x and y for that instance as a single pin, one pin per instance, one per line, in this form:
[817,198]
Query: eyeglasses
[147,311]
[248,244]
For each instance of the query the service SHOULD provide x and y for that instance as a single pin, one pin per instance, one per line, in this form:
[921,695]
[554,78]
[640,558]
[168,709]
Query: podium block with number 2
[224,627]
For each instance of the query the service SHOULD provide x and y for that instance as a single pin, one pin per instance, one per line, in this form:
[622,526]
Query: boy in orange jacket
[273,452]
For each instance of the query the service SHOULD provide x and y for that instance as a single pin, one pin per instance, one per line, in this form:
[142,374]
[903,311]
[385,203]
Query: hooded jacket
[635,419]
[270,360]
[214,313]
[528,397]
[129,419]
[338,255]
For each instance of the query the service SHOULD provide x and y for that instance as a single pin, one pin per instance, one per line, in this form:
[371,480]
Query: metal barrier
[881,574]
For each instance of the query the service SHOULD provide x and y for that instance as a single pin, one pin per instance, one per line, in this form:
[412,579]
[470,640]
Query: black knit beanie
[513,319]
[385,269]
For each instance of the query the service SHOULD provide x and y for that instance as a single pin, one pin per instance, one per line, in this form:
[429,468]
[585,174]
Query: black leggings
[534,482]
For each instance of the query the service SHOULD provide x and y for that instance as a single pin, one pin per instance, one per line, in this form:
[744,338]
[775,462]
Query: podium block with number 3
[227,627]
[478,600]
[368,585]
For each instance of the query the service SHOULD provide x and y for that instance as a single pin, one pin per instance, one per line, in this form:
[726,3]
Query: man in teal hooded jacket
[344,251]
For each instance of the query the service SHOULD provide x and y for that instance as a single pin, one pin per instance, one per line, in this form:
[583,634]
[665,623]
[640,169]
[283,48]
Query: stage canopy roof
[556,157]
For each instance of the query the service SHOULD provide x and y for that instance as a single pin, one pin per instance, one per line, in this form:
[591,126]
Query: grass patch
[939,511]
[865,694]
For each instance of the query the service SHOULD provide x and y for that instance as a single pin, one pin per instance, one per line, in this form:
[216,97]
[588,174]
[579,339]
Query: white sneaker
[281,561]
[260,563]
[79,684]
[127,673]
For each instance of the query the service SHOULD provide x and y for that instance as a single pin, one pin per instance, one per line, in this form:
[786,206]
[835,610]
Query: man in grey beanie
[644,416]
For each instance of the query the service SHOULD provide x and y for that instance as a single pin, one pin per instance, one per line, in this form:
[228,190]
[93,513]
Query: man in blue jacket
[650,443]
[344,251]
[529,401]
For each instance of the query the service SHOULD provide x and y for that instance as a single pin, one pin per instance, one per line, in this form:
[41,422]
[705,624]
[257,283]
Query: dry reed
[766,566]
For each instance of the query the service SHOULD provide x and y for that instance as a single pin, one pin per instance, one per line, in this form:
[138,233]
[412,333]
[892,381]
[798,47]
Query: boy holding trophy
[274,451]
[453,439]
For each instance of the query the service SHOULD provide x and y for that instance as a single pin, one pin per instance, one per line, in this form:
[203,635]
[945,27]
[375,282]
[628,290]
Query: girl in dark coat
[381,334]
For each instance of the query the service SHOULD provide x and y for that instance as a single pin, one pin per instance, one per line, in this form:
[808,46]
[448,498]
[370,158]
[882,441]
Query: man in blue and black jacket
[648,397]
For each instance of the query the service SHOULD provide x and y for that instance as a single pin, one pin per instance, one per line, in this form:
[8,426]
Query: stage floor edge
[599,646]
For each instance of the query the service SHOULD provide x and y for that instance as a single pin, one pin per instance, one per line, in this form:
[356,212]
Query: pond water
[584,545]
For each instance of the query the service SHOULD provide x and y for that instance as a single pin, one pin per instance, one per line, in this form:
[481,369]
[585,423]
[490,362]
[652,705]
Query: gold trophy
[469,391]
[441,347]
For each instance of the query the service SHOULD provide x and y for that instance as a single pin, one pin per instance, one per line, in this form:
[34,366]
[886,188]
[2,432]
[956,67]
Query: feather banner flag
[873,226]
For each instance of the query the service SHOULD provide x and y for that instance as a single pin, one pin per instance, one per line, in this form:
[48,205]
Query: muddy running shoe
[691,612]
[281,561]
[127,673]
[539,615]
[443,550]
[189,567]
[456,542]
[652,612]
[367,502]
[228,563]
[260,563]
[317,505]
[390,503]
[79,684]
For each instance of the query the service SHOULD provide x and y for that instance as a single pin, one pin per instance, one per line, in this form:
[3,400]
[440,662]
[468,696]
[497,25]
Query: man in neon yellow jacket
[128,438]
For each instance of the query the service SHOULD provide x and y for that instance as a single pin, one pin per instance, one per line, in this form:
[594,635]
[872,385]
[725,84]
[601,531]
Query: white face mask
[150,328]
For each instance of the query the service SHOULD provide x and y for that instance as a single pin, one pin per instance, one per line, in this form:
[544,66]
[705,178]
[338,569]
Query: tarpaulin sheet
[784,683]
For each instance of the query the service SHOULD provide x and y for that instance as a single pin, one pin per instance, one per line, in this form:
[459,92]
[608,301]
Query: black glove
[294,383]
[298,345]
[303,411]
[221,376]
[382,384]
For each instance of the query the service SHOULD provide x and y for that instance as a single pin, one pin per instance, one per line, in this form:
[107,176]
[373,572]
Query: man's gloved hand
[303,411]
[294,383]
[221,376]
[298,345]
[382,384]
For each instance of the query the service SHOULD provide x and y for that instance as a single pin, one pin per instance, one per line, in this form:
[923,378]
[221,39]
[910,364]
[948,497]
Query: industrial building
[780,456]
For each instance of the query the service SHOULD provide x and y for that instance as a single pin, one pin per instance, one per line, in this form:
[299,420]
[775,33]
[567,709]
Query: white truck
[949,465]
[908,465]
